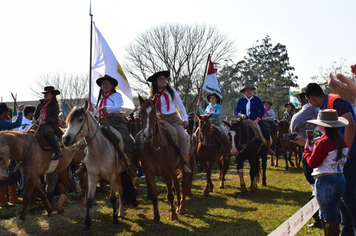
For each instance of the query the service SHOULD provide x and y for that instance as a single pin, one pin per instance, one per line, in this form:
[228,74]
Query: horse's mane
[77,111]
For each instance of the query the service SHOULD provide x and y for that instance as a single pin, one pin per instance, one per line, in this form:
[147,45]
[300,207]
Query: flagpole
[91,49]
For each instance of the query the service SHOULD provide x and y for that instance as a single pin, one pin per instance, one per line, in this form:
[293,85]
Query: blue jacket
[256,106]
[216,114]
[5,125]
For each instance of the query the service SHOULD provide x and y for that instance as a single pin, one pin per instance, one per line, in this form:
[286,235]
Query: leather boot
[57,150]
[3,199]
[269,150]
[13,194]
[186,166]
[81,169]
[332,229]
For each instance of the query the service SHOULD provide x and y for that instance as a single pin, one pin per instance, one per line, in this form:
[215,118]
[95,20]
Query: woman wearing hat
[168,100]
[269,115]
[215,108]
[327,159]
[108,112]
[252,108]
[47,113]
[288,114]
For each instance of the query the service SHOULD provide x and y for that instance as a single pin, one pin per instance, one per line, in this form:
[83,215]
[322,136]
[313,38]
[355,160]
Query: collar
[248,98]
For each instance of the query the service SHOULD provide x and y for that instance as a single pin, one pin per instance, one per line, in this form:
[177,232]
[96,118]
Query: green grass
[224,212]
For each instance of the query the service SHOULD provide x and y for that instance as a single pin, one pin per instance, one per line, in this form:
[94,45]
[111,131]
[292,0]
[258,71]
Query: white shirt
[113,104]
[26,124]
[172,105]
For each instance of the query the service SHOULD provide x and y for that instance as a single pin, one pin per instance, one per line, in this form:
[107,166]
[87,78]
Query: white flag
[211,81]
[105,63]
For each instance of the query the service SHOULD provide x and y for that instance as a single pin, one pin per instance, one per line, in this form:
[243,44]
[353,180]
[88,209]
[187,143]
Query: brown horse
[286,146]
[32,161]
[159,157]
[210,150]
[275,143]
[102,159]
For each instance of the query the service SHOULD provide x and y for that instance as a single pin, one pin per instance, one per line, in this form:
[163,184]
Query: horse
[102,159]
[160,157]
[286,146]
[275,143]
[210,150]
[33,161]
[246,146]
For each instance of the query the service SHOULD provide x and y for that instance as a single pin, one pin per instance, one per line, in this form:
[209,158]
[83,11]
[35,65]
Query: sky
[41,37]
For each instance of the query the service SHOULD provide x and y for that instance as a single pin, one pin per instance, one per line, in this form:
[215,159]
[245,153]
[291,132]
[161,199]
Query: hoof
[60,212]
[291,164]
[264,183]
[174,216]
[206,192]
[272,164]
[86,232]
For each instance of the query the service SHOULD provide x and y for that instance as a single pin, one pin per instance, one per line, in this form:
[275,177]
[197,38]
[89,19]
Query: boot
[57,150]
[81,169]
[3,199]
[332,229]
[269,150]
[50,199]
[13,194]
[131,169]
[186,166]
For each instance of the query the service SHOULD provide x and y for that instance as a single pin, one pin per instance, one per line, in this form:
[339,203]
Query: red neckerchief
[159,100]
[2,118]
[103,103]
[266,111]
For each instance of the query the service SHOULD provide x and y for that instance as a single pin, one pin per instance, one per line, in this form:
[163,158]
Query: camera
[288,137]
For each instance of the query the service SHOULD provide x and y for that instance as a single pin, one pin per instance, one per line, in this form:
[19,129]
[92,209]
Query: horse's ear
[199,116]
[141,99]
[86,105]
[227,123]
[154,99]
[210,115]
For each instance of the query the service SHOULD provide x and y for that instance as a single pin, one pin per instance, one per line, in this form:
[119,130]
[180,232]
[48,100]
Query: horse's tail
[129,192]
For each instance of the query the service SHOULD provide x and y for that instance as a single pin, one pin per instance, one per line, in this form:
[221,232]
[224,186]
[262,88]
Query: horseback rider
[109,114]
[47,113]
[215,108]
[288,114]
[269,115]
[251,107]
[168,100]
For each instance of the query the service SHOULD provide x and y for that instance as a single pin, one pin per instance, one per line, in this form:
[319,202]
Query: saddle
[171,134]
[217,133]
[256,129]
[42,139]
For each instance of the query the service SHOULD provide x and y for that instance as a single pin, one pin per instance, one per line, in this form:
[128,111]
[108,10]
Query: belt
[325,174]
[163,115]
[110,115]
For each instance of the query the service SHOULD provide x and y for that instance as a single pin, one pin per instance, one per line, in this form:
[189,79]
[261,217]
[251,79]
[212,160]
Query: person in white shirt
[168,100]
[27,119]
[269,115]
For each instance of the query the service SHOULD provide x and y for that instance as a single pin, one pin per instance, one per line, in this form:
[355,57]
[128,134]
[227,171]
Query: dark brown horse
[210,150]
[275,143]
[286,146]
[32,164]
[160,157]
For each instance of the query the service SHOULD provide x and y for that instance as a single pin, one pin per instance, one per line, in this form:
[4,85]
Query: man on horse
[168,100]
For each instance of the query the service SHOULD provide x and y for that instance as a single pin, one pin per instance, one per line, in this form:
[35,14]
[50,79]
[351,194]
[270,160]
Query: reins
[247,144]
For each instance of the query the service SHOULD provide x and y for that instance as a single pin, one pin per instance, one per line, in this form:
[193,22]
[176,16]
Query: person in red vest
[319,99]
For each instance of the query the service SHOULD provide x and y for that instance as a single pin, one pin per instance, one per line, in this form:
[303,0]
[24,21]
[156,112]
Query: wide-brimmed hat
[215,95]
[154,77]
[3,107]
[191,115]
[50,89]
[329,118]
[270,103]
[247,86]
[289,103]
[301,93]
[108,77]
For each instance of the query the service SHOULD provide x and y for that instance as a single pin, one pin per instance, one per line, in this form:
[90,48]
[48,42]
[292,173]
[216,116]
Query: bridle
[154,129]
[201,140]
[244,146]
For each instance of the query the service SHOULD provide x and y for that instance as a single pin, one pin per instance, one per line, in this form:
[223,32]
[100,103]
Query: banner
[294,100]
[211,81]
[105,63]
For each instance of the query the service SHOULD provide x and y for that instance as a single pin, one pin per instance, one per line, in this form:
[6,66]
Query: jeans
[329,189]
[348,199]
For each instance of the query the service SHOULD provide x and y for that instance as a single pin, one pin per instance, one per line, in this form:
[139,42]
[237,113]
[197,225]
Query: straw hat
[108,77]
[215,95]
[247,86]
[51,89]
[154,77]
[270,103]
[329,118]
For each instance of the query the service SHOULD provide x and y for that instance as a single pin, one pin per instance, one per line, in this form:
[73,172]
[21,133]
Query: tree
[73,88]
[268,67]
[181,49]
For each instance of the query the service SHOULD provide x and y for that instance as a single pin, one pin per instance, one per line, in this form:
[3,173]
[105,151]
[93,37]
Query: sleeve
[178,102]
[117,103]
[272,115]
[316,157]
[261,108]
[53,118]
[5,125]
[37,112]
[238,107]
[217,112]
[201,111]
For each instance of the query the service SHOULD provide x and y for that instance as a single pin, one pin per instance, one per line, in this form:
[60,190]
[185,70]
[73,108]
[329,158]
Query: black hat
[247,86]
[51,89]
[191,115]
[3,107]
[154,77]
[289,103]
[108,77]
[270,103]
[215,95]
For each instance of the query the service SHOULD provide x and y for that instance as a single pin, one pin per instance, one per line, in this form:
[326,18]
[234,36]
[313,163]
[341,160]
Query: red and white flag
[211,81]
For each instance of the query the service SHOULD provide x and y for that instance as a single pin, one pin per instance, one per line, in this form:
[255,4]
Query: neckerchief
[266,111]
[248,106]
[212,108]
[44,110]
[159,100]
[103,103]
[2,118]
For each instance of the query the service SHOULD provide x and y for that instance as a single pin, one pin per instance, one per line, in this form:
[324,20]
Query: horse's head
[75,122]
[148,117]
[4,161]
[205,129]
[234,135]
[282,128]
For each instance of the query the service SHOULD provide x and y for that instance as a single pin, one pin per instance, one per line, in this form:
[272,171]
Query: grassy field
[224,212]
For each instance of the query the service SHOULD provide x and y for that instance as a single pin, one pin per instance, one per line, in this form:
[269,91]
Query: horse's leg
[264,167]
[185,185]
[170,197]
[290,157]
[152,189]
[240,170]
[285,157]
[121,194]
[63,176]
[83,180]
[92,181]
[177,188]
[113,200]
[209,183]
